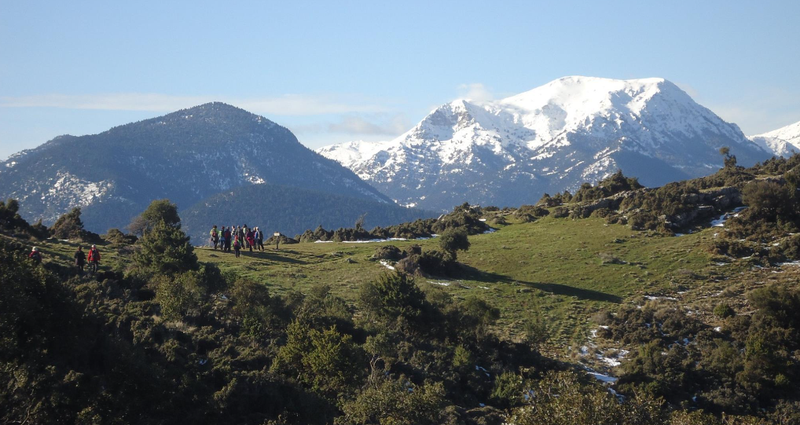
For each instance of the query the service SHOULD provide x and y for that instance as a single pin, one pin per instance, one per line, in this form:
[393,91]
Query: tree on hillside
[161,210]
[164,248]
[68,226]
[11,221]
[769,200]
[392,296]
[729,160]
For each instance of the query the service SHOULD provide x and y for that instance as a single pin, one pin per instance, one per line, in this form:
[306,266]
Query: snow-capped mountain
[784,141]
[185,156]
[555,137]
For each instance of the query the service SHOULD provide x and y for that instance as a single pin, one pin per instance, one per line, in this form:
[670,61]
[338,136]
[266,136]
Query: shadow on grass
[269,255]
[472,273]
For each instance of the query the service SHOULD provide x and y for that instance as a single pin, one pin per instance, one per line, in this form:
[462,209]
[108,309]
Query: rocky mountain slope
[784,141]
[555,137]
[185,156]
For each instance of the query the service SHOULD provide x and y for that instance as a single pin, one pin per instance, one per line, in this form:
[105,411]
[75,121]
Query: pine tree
[164,248]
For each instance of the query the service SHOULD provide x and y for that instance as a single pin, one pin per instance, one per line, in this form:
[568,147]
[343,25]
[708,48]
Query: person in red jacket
[35,255]
[251,239]
[94,259]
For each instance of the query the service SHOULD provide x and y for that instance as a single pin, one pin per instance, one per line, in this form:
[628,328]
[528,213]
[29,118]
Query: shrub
[769,200]
[533,210]
[179,296]
[391,296]
[438,263]
[388,252]
[68,226]
[165,250]
[325,361]
[498,220]
[548,201]
[452,240]
[116,236]
[560,212]
[723,310]
[397,402]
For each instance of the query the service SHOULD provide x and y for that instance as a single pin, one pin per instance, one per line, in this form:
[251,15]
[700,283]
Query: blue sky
[350,70]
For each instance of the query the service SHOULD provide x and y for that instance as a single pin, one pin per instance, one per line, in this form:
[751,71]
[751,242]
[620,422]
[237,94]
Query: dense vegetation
[463,217]
[163,337]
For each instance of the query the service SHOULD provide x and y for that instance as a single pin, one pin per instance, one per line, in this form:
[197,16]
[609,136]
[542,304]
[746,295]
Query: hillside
[550,139]
[185,156]
[573,302]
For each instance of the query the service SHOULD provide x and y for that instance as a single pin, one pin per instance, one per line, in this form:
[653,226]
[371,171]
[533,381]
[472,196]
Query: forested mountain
[549,139]
[185,156]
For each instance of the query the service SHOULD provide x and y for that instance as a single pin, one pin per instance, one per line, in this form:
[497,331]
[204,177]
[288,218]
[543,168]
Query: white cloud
[289,104]
[475,91]
[689,89]
[354,124]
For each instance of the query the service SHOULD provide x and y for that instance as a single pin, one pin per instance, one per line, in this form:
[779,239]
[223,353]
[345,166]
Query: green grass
[553,268]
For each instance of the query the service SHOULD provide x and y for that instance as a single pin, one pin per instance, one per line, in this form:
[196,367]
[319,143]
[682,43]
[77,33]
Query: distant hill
[554,137]
[185,156]
[289,210]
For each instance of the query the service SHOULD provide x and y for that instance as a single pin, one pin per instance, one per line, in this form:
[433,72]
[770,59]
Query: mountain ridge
[548,139]
[185,156]
[784,141]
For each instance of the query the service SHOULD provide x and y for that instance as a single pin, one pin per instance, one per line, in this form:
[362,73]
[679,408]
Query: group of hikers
[238,238]
[79,256]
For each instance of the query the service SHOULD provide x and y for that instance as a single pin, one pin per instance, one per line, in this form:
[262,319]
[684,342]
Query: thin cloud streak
[290,104]
[475,91]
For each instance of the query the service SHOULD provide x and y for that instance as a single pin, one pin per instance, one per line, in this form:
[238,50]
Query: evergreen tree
[160,210]
[164,248]
[68,226]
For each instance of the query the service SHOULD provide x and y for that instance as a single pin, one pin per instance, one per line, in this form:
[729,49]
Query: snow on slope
[551,138]
[784,141]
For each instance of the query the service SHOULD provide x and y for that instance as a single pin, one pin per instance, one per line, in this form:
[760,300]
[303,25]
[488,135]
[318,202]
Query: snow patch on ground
[654,298]
[720,222]
[606,379]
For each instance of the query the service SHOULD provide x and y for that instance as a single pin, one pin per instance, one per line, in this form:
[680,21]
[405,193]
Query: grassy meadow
[559,271]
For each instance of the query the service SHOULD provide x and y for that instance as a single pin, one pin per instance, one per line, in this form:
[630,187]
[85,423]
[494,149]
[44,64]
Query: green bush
[68,226]
[723,310]
[179,296]
[454,239]
[396,402]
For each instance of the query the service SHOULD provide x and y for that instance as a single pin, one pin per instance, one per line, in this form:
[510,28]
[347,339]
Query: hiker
[214,237]
[80,260]
[259,239]
[242,234]
[251,239]
[35,255]
[236,245]
[227,237]
[94,259]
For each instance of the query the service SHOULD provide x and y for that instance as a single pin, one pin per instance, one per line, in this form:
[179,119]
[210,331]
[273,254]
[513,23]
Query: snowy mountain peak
[554,137]
[784,141]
